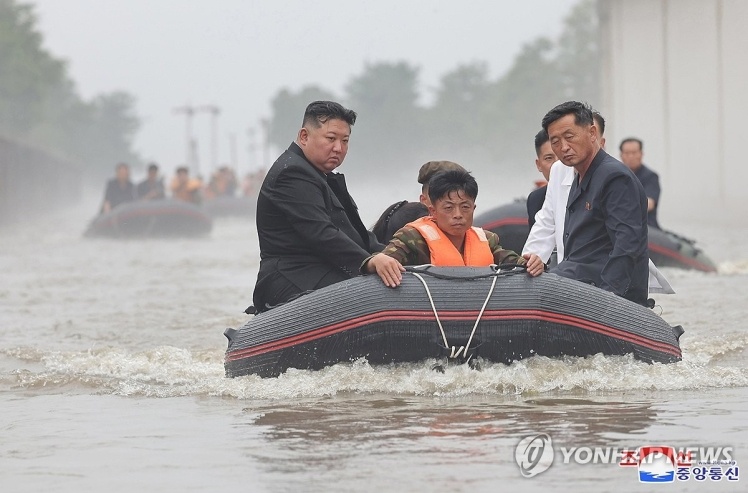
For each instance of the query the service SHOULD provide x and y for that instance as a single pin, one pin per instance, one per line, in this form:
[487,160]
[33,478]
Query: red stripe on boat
[507,221]
[402,315]
[681,258]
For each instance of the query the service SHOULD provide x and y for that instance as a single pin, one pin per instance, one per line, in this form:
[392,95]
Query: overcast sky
[237,54]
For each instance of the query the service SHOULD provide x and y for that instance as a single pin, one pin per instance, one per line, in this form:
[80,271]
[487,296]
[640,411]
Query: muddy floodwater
[112,379]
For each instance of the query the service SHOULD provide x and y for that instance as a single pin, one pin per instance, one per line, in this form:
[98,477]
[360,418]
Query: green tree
[472,117]
[108,137]
[389,127]
[579,53]
[544,74]
[39,104]
[459,113]
[27,72]
[520,99]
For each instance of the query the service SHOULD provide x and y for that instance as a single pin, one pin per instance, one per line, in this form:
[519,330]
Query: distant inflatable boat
[666,249]
[509,221]
[152,219]
[460,313]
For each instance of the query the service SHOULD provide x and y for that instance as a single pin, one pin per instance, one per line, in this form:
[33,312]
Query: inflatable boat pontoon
[459,313]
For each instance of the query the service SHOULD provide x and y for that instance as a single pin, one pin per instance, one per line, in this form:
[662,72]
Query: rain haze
[238,54]
[115,359]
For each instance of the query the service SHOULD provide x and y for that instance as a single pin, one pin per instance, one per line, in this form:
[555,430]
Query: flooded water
[111,378]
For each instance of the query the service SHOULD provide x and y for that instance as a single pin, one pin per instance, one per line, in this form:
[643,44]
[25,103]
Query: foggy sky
[238,53]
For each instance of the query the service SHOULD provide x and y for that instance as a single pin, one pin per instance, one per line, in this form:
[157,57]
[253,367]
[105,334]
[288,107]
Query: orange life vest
[443,251]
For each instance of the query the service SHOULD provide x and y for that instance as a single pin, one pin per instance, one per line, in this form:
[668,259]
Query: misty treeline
[471,117]
[41,108]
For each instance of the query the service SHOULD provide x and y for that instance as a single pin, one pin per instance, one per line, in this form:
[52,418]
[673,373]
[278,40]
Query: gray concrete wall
[675,76]
[33,182]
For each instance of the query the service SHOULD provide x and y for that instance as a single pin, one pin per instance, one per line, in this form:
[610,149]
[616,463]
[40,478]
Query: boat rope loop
[496,270]
[456,352]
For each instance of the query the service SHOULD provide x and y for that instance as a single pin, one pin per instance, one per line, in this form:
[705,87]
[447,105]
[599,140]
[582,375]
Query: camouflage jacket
[408,247]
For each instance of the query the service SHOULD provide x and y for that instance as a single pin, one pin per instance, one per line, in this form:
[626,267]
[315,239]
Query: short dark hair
[540,139]
[631,139]
[153,167]
[446,182]
[183,169]
[433,167]
[122,165]
[600,121]
[582,113]
[319,112]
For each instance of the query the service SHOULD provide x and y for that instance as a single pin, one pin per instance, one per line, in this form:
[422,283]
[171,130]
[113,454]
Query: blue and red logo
[657,464]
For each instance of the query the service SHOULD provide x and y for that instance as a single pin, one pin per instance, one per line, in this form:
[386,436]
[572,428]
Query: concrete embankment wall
[33,182]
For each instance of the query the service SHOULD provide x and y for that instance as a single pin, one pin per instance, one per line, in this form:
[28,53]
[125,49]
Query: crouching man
[446,237]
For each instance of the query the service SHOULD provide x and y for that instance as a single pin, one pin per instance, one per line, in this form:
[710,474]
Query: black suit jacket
[308,226]
[535,203]
[651,183]
[605,231]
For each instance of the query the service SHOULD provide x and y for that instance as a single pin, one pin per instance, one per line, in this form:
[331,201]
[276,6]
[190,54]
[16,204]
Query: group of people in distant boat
[311,234]
[223,183]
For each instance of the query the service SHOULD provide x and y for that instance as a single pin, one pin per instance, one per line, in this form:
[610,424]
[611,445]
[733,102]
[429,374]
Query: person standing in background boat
[119,189]
[310,232]
[605,228]
[631,154]
[544,160]
[152,188]
[446,237]
[222,184]
[185,188]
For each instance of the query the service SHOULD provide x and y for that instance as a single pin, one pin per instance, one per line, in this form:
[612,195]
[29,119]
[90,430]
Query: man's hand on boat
[391,271]
[534,265]
[387,268]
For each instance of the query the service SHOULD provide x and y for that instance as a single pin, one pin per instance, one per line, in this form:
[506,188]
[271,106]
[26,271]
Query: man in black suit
[605,230]
[544,161]
[310,232]
[631,155]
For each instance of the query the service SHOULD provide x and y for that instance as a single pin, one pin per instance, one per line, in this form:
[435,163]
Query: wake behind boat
[460,313]
[152,219]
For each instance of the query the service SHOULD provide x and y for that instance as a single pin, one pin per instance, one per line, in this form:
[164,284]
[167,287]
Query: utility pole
[214,112]
[189,112]
[252,147]
[232,152]
[265,124]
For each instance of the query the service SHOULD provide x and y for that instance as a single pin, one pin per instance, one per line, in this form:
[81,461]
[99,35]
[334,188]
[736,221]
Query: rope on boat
[498,270]
[454,351]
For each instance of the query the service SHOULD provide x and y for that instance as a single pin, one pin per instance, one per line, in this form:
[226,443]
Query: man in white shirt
[548,231]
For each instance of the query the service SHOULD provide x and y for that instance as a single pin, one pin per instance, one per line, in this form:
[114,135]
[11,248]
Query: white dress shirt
[544,235]
[548,231]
